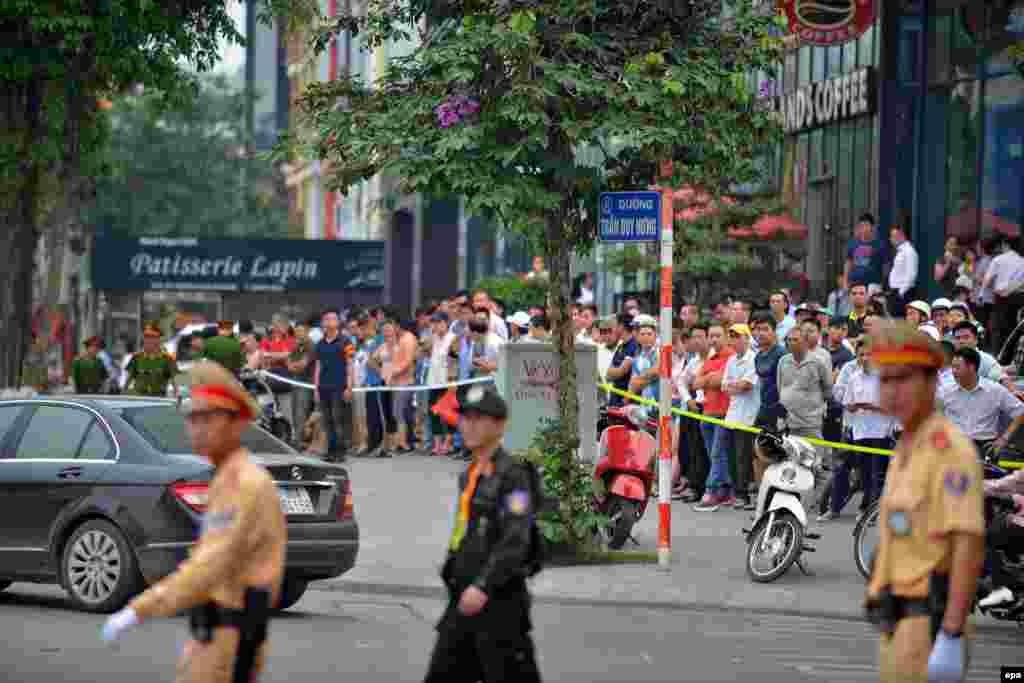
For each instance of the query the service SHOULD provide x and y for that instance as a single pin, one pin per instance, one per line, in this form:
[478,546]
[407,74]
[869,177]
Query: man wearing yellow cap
[931,520]
[234,573]
[152,370]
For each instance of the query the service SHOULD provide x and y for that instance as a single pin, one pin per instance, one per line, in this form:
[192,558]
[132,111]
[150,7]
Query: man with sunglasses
[234,573]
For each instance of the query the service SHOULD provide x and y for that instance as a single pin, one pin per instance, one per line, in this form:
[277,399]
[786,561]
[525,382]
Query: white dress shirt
[856,385]
[903,275]
[1005,271]
[743,407]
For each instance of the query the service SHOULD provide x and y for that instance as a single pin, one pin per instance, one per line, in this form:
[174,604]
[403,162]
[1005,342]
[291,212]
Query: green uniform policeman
[225,349]
[87,370]
[152,370]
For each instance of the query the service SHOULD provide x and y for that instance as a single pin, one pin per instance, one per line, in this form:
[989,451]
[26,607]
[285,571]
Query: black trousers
[374,419]
[1005,536]
[337,419]
[695,456]
[1004,319]
[482,649]
[744,445]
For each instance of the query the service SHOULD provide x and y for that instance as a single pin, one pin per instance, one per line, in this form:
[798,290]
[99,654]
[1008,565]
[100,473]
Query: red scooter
[625,457]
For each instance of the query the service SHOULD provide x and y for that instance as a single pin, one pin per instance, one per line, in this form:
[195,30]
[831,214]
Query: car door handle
[70,473]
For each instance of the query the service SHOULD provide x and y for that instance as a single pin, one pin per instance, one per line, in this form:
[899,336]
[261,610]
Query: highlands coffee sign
[831,101]
[236,265]
[830,22]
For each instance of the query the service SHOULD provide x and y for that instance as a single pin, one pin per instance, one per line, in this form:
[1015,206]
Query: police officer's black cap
[484,400]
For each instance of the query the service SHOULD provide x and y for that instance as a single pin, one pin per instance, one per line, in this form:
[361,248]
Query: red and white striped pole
[665,372]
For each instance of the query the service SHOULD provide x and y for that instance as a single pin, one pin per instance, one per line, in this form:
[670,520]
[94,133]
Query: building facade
[918,120]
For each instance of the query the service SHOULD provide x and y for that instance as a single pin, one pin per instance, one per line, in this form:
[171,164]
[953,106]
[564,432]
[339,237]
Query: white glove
[117,623]
[946,663]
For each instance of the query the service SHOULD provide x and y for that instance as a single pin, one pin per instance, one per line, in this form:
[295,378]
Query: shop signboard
[830,101]
[191,264]
[830,22]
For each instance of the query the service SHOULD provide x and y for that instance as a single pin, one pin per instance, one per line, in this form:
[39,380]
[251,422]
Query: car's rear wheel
[98,567]
[292,591]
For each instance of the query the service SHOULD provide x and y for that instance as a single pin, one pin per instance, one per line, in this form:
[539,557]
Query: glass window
[97,445]
[866,48]
[818,55]
[850,57]
[164,428]
[939,27]
[1003,184]
[8,414]
[858,180]
[828,157]
[817,144]
[789,83]
[963,135]
[804,65]
[835,61]
[844,173]
[54,433]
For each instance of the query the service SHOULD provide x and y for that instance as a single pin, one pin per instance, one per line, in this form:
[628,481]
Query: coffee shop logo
[830,22]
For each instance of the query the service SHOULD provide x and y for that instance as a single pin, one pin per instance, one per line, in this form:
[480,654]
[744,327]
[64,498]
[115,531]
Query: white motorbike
[777,538]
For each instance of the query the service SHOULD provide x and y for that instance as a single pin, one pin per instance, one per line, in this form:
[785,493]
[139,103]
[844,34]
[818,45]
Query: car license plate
[296,501]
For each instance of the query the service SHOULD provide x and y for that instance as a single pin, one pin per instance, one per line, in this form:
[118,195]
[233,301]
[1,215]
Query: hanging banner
[830,22]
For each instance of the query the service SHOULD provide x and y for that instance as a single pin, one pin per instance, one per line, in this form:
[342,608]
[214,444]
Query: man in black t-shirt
[622,361]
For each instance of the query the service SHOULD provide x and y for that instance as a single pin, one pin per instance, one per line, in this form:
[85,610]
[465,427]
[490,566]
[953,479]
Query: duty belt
[251,623]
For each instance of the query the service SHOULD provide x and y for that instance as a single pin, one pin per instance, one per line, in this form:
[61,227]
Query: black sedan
[101,495]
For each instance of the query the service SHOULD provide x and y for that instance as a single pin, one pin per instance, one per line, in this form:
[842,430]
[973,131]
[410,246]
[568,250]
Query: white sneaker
[996,597]
[827,516]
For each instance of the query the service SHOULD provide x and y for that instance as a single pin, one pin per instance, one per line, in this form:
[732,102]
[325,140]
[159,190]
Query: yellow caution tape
[1010,464]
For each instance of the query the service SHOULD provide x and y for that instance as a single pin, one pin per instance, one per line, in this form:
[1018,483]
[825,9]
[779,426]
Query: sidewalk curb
[440,593]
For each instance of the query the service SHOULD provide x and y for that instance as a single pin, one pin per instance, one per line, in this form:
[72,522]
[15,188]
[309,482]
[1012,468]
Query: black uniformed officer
[484,634]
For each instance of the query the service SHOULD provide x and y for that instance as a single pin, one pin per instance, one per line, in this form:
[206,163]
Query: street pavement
[333,636]
[404,507]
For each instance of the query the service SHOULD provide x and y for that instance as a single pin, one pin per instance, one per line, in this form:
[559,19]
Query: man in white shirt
[1005,278]
[903,276]
[979,406]
[740,382]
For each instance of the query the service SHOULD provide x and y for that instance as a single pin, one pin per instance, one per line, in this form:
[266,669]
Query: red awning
[691,204]
[772,227]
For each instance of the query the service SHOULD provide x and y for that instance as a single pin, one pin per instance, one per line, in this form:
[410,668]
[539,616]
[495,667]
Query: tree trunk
[558,255]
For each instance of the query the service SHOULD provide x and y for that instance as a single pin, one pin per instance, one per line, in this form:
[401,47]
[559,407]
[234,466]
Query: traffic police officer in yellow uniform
[484,634]
[234,573]
[150,371]
[931,521]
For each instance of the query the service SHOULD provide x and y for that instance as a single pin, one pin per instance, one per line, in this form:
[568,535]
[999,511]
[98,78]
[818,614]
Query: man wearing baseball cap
[484,633]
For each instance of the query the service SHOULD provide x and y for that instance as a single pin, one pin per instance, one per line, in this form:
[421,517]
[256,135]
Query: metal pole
[665,372]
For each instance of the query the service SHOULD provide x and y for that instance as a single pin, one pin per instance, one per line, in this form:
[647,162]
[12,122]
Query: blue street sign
[629,217]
